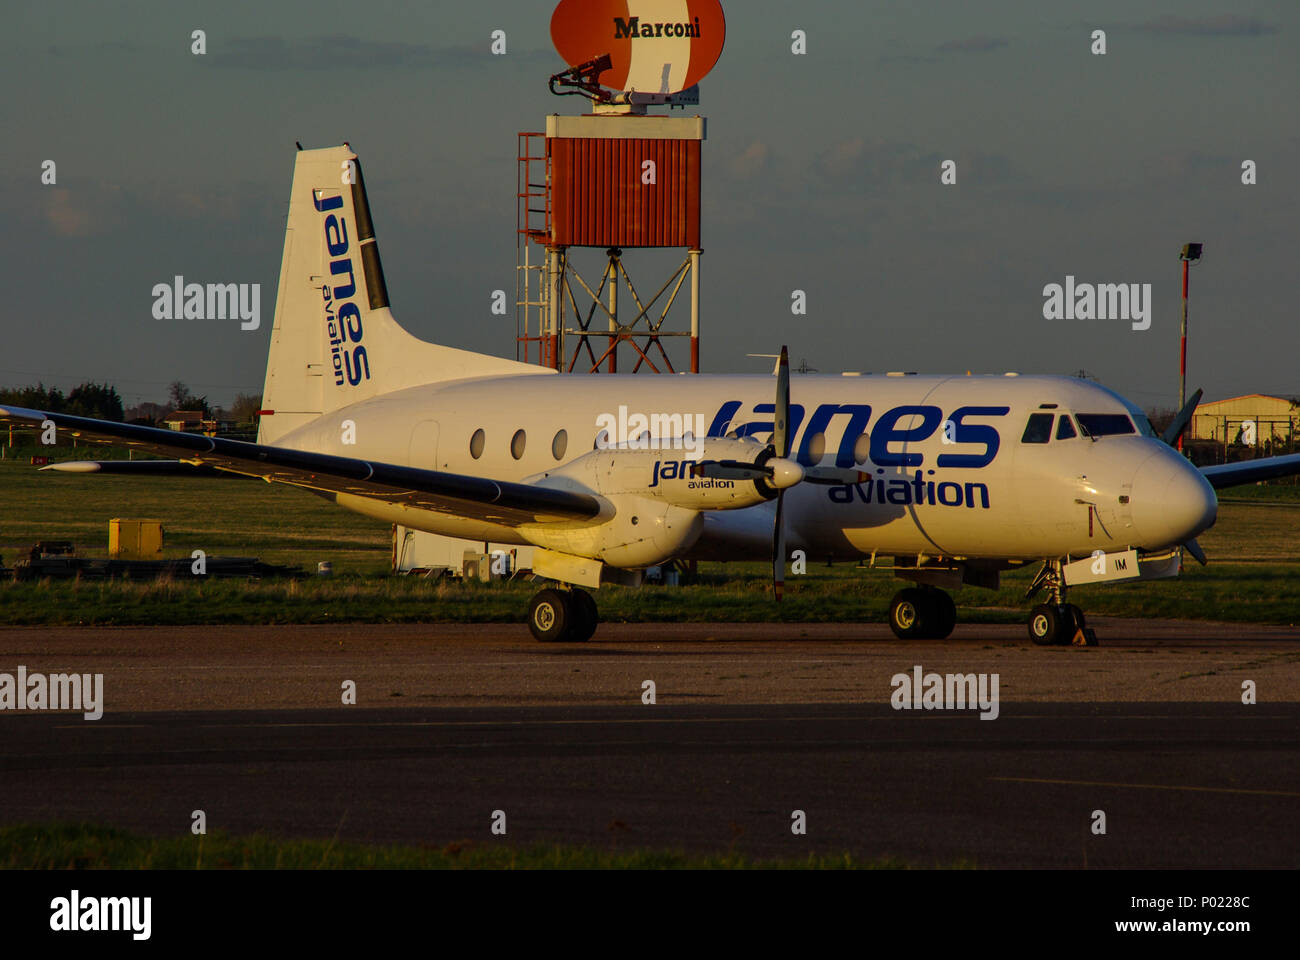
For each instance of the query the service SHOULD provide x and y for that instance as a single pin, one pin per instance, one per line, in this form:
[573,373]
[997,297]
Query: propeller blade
[1194,548]
[730,470]
[1180,422]
[778,549]
[781,412]
[784,472]
[834,476]
[780,473]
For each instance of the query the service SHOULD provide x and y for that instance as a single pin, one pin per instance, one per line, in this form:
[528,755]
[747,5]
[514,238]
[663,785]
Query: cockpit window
[1038,429]
[1144,425]
[1104,424]
[1065,429]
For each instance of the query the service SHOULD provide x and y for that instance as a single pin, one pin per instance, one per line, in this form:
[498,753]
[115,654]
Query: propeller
[834,476]
[1180,422]
[779,472]
[1170,436]
[781,444]
[775,467]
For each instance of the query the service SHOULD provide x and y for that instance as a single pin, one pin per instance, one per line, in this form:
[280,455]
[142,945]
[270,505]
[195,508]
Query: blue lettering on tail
[342,316]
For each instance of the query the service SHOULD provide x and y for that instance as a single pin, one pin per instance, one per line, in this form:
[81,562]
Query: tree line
[101,401]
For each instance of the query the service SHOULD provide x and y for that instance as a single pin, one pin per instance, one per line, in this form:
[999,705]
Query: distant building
[214,428]
[184,420]
[1253,419]
[193,421]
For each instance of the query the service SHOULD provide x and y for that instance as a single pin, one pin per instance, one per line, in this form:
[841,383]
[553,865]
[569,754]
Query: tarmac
[750,723]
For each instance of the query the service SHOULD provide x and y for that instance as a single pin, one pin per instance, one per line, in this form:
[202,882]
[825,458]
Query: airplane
[955,479]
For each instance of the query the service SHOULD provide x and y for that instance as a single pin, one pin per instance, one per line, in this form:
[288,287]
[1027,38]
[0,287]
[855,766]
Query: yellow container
[135,539]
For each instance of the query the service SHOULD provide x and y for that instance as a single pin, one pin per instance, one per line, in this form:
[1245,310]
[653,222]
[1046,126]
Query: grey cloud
[905,58]
[316,53]
[972,45]
[335,51]
[862,164]
[1225,25]
[751,162]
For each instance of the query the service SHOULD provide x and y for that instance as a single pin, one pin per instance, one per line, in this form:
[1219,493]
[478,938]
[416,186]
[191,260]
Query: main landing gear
[922,613]
[1056,623]
[563,615]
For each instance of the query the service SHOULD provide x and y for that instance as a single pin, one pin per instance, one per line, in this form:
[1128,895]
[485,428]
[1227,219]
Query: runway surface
[1180,785]
[283,667]
[752,722]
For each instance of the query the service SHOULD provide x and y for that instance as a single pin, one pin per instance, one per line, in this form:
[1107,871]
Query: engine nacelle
[667,474]
[641,533]
[657,499]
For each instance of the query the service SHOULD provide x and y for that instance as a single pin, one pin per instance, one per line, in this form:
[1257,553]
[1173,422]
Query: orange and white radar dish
[656,46]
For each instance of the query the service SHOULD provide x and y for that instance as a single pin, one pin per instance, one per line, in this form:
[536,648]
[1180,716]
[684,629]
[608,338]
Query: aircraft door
[423,451]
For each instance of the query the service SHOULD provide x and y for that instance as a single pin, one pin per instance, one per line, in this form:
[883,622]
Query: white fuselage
[949,470]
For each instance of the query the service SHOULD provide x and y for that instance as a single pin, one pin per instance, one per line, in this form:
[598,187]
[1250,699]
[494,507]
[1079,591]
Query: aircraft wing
[495,501]
[1249,471]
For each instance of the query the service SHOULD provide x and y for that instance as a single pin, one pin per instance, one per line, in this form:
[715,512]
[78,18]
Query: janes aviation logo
[976,444]
[342,315]
[684,470]
[633,27]
[75,913]
[56,691]
[949,691]
[915,490]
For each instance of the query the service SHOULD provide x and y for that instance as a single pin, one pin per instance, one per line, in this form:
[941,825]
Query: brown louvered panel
[693,177]
[599,200]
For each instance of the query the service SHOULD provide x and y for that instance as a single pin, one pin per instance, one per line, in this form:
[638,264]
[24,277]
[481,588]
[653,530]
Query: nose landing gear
[1052,624]
[1056,623]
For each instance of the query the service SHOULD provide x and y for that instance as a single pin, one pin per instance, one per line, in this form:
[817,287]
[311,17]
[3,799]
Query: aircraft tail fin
[334,341]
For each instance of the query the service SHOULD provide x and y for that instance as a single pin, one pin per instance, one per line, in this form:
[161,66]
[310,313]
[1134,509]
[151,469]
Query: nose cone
[1172,501]
[785,473]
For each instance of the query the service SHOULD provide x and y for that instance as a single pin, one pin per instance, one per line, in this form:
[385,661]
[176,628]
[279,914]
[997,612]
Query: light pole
[1191,253]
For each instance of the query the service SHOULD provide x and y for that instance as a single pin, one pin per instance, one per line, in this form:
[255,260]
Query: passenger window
[1039,428]
[1065,429]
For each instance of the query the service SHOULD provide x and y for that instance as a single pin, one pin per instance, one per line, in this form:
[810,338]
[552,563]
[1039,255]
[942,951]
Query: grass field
[91,847]
[1254,574]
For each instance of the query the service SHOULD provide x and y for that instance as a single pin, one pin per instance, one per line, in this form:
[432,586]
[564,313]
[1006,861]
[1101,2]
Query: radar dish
[655,46]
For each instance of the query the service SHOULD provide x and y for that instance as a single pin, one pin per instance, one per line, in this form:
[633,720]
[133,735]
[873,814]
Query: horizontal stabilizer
[150,468]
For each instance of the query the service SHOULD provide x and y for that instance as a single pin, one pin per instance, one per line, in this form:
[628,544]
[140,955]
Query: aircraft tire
[912,614]
[946,611]
[1077,620]
[550,616]
[585,615]
[1048,625]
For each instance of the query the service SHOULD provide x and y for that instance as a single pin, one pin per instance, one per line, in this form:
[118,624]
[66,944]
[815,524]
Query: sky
[821,174]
